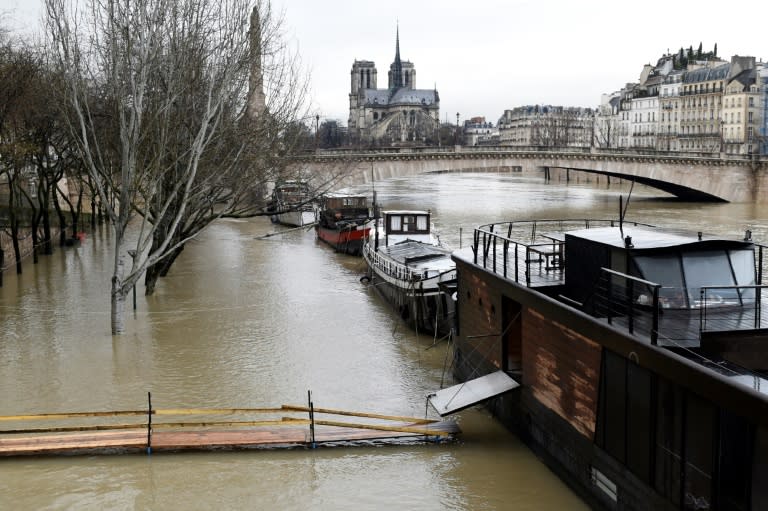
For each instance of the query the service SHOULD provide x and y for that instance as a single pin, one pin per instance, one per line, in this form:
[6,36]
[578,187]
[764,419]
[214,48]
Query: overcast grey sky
[488,55]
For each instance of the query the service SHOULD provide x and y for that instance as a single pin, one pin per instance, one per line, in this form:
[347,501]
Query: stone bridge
[694,177]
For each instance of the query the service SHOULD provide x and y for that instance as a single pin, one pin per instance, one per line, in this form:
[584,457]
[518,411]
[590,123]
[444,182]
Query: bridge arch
[699,178]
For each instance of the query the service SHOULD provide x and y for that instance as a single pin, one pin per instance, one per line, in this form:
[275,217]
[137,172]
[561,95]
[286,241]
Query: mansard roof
[745,78]
[706,74]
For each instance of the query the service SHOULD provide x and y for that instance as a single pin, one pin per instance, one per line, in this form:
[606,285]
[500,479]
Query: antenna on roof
[623,208]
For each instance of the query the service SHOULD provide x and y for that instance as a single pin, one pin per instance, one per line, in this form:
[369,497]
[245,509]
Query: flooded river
[254,323]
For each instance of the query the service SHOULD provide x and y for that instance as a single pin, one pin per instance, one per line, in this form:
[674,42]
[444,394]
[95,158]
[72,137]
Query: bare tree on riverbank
[158,91]
[21,128]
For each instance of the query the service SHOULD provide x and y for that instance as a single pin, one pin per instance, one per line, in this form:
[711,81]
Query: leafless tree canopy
[158,92]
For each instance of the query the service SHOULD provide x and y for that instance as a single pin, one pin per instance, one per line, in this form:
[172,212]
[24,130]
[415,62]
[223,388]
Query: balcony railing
[675,316]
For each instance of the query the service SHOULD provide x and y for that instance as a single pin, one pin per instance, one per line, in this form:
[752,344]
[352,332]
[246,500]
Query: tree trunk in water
[118,309]
[150,279]
[15,240]
[158,270]
[35,259]
[47,241]
[62,221]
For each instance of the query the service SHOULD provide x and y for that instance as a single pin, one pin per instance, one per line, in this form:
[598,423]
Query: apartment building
[547,126]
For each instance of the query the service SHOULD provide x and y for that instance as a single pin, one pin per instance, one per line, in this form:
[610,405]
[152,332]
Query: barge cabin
[344,222]
[640,355]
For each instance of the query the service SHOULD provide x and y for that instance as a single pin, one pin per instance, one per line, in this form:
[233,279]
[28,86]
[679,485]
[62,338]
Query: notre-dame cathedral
[399,115]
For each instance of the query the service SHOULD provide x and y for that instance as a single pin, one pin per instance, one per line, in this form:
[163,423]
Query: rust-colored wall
[480,322]
[562,369]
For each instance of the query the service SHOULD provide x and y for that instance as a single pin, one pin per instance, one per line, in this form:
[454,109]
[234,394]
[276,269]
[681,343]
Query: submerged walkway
[98,433]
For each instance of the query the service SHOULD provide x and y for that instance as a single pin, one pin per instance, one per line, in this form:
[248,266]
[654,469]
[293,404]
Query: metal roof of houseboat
[405,212]
[420,255]
[645,238]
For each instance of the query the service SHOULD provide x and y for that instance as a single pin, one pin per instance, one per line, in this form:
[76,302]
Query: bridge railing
[497,149]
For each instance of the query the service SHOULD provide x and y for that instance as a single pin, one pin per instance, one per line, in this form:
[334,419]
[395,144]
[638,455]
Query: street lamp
[317,130]
[457,128]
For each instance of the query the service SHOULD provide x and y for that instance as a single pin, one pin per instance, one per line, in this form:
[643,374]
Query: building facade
[399,115]
[706,107]
[547,126]
[669,115]
[478,131]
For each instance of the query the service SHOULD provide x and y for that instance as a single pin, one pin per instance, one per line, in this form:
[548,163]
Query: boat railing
[730,308]
[679,315]
[513,248]
[398,270]
[629,302]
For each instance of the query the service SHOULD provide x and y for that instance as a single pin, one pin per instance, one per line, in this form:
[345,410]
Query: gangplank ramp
[458,397]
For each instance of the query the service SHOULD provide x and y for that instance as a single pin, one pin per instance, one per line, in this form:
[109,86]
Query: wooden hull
[349,241]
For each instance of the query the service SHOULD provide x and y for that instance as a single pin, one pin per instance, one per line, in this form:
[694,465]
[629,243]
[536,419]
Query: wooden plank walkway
[105,437]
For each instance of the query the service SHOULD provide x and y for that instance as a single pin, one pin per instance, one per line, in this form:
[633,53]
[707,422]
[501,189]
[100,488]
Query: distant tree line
[683,57]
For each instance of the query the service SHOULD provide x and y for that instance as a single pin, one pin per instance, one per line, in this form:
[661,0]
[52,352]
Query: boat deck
[104,436]
[683,328]
[533,265]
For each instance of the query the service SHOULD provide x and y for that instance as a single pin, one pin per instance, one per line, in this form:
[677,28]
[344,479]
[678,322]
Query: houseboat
[292,204]
[409,266]
[630,358]
[344,222]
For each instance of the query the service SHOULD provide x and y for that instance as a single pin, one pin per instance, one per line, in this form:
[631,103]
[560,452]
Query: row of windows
[702,88]
[408,223]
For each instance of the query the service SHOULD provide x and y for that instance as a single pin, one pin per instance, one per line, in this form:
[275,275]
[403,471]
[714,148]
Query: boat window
[408,221]
[669,439]
[699,452]
[666,271]
[760,472]
[639,422]
[421,222]
[710,268]
[743,262]
[395,223]
[736,438]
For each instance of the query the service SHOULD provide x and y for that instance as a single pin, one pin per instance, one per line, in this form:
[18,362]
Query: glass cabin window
[743,262]
[710,268]
[394,223]
[664,270]
[421,223]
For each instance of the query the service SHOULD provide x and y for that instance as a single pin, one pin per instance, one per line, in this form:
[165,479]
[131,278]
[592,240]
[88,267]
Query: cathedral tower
[363,76]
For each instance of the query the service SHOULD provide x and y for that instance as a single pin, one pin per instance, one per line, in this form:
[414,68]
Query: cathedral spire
[397,79]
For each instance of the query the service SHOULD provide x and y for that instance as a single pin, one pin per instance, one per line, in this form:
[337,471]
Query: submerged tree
[159,96]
